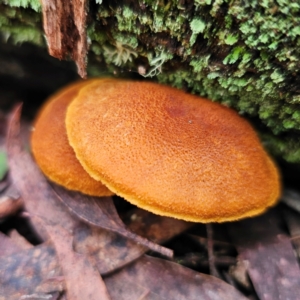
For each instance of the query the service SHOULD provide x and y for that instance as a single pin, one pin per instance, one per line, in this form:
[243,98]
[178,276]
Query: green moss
[197,26]
[157,62]
[19,25]
[128,40]
[119,54]
[233,56]
[126,20]
[22,34]
[231,39]
[33,4]
[281,146]
[96,35]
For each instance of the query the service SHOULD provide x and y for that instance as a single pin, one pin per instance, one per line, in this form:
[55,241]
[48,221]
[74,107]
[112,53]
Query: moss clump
[33,4]
[20,25]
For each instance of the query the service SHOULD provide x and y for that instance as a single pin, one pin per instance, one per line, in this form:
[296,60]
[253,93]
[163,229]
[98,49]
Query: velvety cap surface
[51,148]
[171,153]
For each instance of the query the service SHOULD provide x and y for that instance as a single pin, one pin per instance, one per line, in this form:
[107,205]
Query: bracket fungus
[52,151]
[170,152]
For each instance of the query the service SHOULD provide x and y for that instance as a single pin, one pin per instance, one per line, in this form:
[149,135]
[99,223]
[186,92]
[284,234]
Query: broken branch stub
[65,30]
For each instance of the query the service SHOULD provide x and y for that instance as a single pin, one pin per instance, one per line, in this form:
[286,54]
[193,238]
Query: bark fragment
[65,30]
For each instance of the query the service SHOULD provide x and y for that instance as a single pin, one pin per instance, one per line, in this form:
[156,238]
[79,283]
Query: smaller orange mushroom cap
[170,152]
[51,148]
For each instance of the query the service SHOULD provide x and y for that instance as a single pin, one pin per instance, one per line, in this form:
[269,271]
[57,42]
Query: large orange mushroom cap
[51,148]
[171,153]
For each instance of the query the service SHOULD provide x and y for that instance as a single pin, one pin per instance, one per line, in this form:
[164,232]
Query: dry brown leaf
[21,276]
[269,257]
[3,185]
[109,250]
[82,279]
[38,196]
[101,212]
[166,280]
[129,288]
[10,201]
[24,272]
[65,29]
[7,246]
[19,240]
[112,251]
[29,271]
[240,274]
[52,296]
[9,206]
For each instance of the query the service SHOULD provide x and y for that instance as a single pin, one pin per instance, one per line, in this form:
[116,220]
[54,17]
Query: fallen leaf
[240,274]
[101,212]
[109,250]
[268,255]
[52,296]
[19,273]
[82,279]
[151,276]
[19,240]
[112,251]
[39,198]
[10,202]
[24,272]
[7,246]
[3,185]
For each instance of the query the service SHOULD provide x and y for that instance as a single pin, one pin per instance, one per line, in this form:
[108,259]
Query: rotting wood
[65,30]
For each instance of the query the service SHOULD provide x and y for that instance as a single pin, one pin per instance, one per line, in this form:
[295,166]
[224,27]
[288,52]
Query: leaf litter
[31,184]
[19,240]
[167,280]
[10,200]
[21,274]
[78,248]
[268,255]
[76,266]
[102,213]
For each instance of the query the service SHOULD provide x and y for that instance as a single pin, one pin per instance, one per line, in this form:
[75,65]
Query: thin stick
[210,249]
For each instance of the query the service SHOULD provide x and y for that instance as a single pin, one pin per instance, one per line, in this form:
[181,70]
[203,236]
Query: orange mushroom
[52,151]
[171,153]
